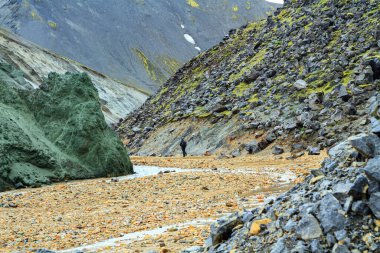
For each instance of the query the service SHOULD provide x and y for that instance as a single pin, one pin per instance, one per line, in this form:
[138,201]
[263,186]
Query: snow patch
[198,48]
[276,1]
[182,26]
[189,38]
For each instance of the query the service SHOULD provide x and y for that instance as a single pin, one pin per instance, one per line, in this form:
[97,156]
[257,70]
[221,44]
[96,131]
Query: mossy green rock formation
[54,133]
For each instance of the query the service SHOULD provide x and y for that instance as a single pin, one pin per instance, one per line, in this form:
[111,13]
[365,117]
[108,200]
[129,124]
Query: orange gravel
[67,215]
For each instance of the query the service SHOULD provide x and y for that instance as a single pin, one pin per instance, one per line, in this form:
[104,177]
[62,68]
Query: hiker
[183,145]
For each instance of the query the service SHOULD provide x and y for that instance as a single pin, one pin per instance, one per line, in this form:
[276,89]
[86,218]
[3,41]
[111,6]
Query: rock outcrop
[54,133]
[306,75]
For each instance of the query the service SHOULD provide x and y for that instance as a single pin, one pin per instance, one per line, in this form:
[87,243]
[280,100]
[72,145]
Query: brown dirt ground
[72,214]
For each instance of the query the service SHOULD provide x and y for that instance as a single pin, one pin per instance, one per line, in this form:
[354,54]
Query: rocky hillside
[117,98]
[303,76]
[54,133]
[139,41]
[336,209]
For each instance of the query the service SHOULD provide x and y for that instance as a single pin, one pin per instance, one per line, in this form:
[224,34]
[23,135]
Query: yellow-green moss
[254,98]
[307,27]
[52,24]
[153,72]
[170,64]
[226,113]
[193,3]
[159,95]
[240,88]
[248,5]
[259,56]
[35,15]
[347,77]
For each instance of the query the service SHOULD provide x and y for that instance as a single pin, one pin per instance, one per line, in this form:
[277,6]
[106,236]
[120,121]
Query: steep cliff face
[303,75]
[54,133]
[117,98]
[138,41]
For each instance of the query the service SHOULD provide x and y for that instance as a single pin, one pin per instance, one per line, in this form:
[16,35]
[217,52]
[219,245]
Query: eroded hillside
[118,99]
[303,75]
[139,41]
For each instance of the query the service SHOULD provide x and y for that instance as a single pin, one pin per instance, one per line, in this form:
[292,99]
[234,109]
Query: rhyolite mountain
[117,98]
[302,78]
[140,42]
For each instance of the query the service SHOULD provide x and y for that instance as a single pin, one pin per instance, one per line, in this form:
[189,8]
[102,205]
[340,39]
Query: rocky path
[156,209]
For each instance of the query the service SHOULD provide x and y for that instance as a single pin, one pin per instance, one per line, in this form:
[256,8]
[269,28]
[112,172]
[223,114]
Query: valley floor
[160,209]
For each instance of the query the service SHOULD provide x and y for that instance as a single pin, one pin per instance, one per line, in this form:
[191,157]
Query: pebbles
[68,215]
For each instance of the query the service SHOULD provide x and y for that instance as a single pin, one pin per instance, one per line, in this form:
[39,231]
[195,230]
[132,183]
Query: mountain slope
[138,41]
[303,76]
[117,98]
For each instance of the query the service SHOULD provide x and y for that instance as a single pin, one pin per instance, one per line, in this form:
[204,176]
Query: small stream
[145,171]
[136,236]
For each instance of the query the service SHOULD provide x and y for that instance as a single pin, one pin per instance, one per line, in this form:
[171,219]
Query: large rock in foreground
[54,133]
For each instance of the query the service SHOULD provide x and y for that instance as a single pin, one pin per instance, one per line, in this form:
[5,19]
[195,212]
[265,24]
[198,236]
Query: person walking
[183,145]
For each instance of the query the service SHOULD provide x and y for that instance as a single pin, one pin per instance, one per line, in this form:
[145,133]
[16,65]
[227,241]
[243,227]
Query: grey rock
[308,208]
[314,151]
[271,137]
[316,247]
[277,150]
[297,147]
[329,214]
[367,145]
[222,230]
[359,187]
[360,207]
[343,94]
[194,249]
[308,228]
[348,204]
[343,149]
[340,190]
[315,100]
[338,248]
[136,129]
[247,217]
[252,147]
[340,235]
[45,251]
[300,248]
[372,169]
[375,126]
[374,204]
[19,185]
[300,84]
[280,246]
[368,74]
[373,187]
[289,125]
[290,225]
[235,153]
